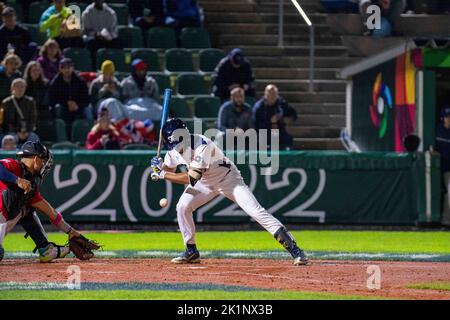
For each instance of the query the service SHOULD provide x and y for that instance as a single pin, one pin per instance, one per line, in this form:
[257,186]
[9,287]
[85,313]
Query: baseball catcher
[20,181]
[209,174]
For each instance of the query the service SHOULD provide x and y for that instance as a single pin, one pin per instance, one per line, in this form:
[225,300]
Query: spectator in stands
[182,13]
[37,87]
[9,143]
[61,25]
[103,134]
[141,93]
[273,112]
[390,13]
[443,147]
[105,91]
[16,37]
[100,28]
[235,114]
[49,58]
[19,113]
[10,71]
[233,71]
[146,13]
[68,94]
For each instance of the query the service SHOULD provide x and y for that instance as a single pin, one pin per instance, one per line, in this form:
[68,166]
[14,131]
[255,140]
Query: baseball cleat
[52,251]
[300,258]
[187,257]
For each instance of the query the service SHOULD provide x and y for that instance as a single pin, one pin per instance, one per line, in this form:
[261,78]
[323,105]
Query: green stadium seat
[37,8]
[162,80]
[121,12]
[81,57]
[131,36]
[115,55]
[195,38]
[180,108]
[179,60]
[191,84]
[209,58]
[36,35]
[250,100]
[80,130]
[66,145]
[207,107]
[51,130]
[150,56]
[161,38]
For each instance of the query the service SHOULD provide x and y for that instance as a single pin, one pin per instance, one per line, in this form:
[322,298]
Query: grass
[445,286]
[171,295]
[341,241]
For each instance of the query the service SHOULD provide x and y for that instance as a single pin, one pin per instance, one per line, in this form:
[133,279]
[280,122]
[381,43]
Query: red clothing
[14,166]
[93,139]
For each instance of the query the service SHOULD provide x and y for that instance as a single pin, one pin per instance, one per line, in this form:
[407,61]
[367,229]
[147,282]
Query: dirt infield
[341,277]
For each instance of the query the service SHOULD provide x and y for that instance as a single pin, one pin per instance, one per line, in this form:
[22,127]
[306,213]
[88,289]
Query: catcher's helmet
[31,149]
[168,129]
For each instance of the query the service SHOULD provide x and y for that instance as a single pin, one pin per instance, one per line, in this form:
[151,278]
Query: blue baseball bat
[165,114]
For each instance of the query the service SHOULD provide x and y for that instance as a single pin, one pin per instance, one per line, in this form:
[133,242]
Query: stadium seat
[161,38]
[195,38]
[66,145]
[191,84]
[36,35]
[250,100]
[179,107]
[179,60]
[121,12]
[51,130]
[37,8]
[162,80]
[80,130]
[150,56]
[131,37]
[209,58]
[81,58]
[115,55]
[206,107]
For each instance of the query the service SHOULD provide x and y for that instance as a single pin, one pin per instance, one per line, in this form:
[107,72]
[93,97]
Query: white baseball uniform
[220,177]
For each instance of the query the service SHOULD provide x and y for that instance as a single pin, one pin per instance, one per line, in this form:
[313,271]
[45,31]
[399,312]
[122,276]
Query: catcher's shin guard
[33,228]
[287,240]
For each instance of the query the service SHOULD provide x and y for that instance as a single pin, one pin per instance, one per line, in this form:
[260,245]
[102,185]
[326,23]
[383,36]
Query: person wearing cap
[16,36]
[20,184]
[105,85]
[19,113]
[233,71]
[9,143]
[140,92]
[443,147]
[68,94]
[53,20]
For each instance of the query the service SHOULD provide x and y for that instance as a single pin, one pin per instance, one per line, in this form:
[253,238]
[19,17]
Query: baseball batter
[20,197]
[209,174]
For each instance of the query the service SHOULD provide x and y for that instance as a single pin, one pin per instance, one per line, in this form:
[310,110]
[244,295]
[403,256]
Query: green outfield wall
[313,187]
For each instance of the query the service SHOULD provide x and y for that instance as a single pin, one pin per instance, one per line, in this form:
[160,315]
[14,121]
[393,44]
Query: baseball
[163,202]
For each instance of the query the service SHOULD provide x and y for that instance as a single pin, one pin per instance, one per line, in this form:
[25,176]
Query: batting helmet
[168,129]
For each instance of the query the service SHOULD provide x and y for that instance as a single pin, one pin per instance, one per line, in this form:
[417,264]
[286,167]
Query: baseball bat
[165,114]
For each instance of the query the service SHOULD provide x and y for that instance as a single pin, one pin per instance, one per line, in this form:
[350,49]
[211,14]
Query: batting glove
[157,174]
[157,162]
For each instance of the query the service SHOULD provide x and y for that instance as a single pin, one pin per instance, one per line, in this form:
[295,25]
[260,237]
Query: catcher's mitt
[82,247]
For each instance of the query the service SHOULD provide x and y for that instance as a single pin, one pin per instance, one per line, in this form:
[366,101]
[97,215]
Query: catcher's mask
[31,149]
